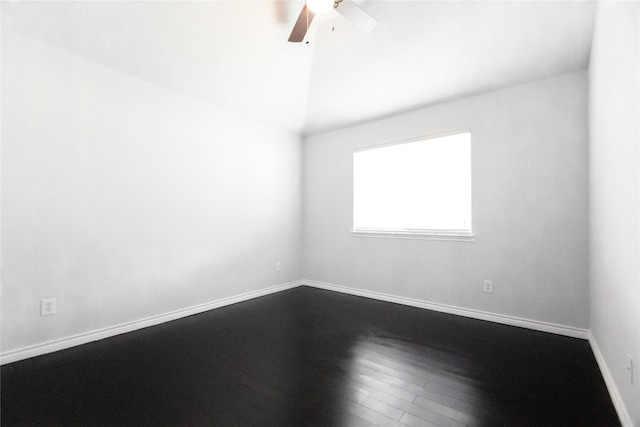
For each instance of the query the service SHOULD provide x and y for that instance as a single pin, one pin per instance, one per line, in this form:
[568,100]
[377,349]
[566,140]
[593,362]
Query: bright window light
[421,186]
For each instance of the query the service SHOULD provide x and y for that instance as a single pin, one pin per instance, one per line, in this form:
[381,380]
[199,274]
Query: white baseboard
[87,337]
[474,314]
[75,340]
[618,403]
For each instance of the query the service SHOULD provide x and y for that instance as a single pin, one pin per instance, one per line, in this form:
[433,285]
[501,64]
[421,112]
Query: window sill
[449,237]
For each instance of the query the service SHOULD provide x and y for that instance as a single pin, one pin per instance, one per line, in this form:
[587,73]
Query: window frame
[428,234]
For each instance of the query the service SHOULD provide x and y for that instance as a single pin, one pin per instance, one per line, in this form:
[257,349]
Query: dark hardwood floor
[308,357]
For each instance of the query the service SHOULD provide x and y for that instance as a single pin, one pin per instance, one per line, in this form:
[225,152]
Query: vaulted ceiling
[234,54]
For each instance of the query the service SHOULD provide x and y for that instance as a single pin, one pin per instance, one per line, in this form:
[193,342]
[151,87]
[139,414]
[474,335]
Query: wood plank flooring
[309,357]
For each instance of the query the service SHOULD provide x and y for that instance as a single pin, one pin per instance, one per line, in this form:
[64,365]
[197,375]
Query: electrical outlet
[630,367]
[488,286]
[48,307]
[278,266]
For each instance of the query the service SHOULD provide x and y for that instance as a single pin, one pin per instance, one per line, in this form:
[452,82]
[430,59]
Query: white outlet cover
[48,307]
[488,286]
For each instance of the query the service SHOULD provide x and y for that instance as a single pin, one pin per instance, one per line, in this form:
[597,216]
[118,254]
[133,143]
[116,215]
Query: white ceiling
[235,54]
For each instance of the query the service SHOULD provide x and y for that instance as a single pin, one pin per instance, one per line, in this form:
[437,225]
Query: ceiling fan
[347,8]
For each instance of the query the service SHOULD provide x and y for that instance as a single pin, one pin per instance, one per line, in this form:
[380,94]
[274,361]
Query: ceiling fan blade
[280,9]
[357,16]
[302,25]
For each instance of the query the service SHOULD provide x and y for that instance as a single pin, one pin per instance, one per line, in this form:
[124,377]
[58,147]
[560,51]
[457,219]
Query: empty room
[320,213]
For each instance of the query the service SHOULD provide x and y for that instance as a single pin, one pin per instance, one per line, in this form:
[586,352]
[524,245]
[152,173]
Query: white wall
[614,115]
[529,161]
[125,200]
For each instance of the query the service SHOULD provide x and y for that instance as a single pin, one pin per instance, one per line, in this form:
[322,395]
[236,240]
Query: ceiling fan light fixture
[320,6]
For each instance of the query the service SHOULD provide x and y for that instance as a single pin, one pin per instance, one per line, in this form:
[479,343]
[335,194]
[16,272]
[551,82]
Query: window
[417,187]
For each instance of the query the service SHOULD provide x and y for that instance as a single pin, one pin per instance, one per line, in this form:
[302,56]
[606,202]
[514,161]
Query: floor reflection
[391,381]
